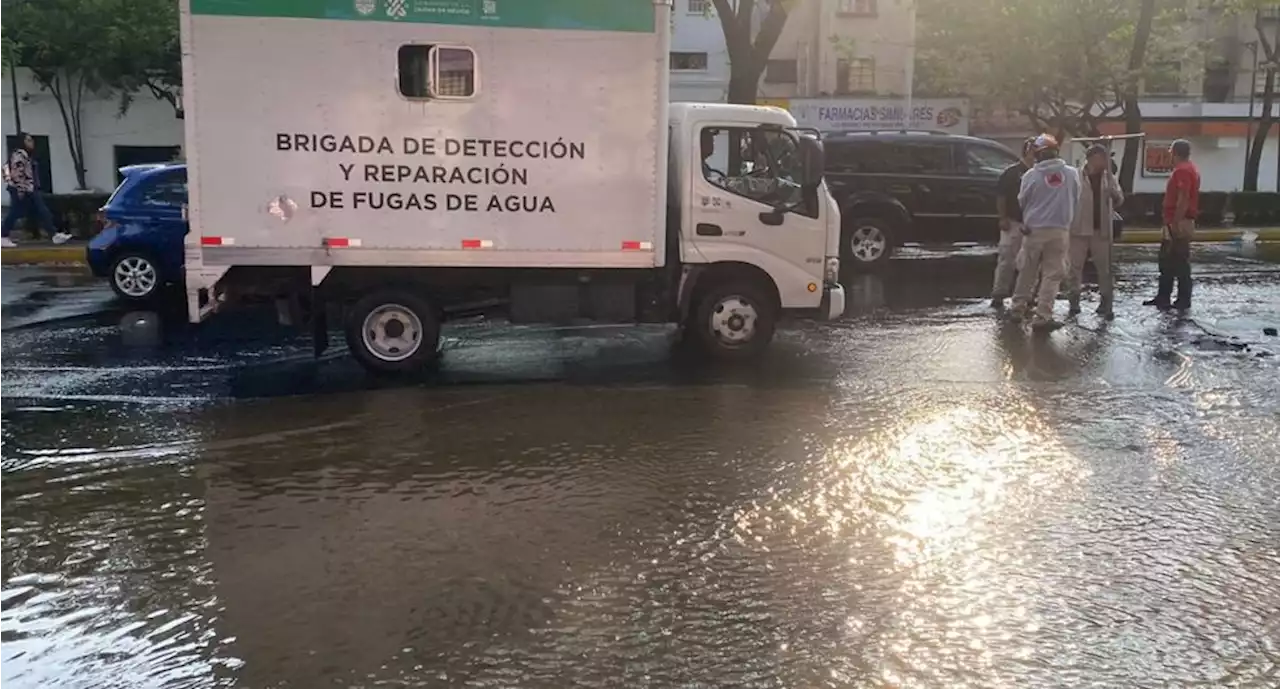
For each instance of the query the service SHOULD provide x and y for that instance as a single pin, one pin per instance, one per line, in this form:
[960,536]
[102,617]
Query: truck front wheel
[734,320]
[392,332]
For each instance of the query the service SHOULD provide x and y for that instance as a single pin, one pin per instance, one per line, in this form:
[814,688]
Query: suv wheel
[135,277]
[868,242]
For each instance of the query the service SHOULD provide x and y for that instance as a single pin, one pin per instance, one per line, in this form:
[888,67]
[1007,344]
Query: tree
[146,54]
[1063,65]
[1132,83]
[749,48]
[1267,51]
[78,49]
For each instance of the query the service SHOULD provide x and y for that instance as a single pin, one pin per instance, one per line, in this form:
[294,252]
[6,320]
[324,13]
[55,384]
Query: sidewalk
[45,253]
[1151,235]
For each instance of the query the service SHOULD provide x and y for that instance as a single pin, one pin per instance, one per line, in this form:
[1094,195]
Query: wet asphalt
[919,495]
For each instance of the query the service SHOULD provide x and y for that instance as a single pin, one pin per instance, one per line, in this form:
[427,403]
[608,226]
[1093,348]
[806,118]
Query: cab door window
[761,165]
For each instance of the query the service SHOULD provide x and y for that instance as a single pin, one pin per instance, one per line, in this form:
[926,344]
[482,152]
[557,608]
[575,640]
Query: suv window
[987,161]
[165,189]
[889,157]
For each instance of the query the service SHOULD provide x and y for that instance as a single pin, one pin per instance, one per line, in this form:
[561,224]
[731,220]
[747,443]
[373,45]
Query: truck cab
[746,189]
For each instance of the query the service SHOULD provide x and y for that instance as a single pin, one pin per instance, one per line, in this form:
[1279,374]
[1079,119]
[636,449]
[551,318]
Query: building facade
[149,131]
[828,48]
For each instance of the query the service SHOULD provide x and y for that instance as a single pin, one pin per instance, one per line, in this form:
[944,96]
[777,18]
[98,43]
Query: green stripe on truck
[583,15]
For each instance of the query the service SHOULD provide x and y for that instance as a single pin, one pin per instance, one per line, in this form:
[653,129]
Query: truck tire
[393,332]
[733,320]
[866,243]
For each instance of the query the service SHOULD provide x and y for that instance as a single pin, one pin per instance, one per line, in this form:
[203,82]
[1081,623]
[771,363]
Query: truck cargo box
[425,132]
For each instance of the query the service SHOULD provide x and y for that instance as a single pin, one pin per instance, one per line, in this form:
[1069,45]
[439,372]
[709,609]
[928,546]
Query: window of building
[141,155]
[856,75]
[688,62]
[436,72]
[858,8]
[761,165]
[44,171]
[781,72]
[166,189]
[700,7]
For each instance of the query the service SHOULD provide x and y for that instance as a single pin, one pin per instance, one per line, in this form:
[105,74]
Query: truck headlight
[831,273]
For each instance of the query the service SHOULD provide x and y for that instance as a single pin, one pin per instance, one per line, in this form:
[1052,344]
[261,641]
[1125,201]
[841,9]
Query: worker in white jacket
[1050,196]
[1091,233]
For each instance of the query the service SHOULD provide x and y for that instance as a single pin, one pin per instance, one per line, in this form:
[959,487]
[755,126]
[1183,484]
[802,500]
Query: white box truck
[404,162]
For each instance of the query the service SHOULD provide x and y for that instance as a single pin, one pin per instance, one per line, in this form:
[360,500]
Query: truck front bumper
[832,302]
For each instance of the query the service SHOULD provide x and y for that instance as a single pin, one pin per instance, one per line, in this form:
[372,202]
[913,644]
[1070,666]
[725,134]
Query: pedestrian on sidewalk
[22,181]
[1181,208]
[1050,196]
[1009,210]
[1091,233]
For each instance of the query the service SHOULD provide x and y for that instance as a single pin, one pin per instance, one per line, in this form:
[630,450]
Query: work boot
[1161,303]
[1182,305]
[1045,325]
[1104,308]
[1073,302]
[997,302]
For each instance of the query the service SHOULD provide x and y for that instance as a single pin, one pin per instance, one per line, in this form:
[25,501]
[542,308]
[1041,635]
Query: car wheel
[393,332]
[868,242]
[135,276]
[734,320]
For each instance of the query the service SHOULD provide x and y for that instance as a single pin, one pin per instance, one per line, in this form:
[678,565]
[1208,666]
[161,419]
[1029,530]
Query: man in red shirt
[1181,207]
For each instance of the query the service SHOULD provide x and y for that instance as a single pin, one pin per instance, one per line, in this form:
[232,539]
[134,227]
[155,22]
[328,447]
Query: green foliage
[1062,64]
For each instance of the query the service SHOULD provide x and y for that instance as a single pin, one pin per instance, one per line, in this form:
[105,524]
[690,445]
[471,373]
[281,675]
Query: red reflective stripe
[471,244]
[211,241]
[337,241]
[631,246]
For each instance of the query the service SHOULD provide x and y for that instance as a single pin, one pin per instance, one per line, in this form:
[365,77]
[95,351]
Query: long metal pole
[908,117]
[1253,92]
[13,91]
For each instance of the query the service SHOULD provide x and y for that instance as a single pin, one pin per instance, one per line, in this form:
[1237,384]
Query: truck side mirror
[813,159]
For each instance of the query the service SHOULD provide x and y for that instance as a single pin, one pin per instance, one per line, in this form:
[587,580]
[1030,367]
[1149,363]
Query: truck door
[741,176]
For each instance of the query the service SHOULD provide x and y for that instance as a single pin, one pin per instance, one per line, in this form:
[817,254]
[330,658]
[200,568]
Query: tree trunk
[13,91]
[1132,146]
[1132,112]
[1259,141]
[744,85]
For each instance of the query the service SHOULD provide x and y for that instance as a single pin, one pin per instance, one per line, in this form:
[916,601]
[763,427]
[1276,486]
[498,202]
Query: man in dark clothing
[1010,213]
[1181,208]
[22,181]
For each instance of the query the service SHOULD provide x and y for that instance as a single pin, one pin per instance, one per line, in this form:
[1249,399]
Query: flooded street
[918,496]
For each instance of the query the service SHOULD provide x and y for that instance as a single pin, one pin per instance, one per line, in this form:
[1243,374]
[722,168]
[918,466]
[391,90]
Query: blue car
[138,247]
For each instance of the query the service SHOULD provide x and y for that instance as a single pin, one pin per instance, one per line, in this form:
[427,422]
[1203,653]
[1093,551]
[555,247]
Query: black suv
[896,187]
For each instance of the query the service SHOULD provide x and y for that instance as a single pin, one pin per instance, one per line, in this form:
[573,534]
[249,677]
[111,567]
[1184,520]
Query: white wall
[699,33]
[149,122]
[1221,168]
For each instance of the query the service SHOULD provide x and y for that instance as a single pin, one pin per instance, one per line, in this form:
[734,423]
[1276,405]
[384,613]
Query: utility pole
[13,90]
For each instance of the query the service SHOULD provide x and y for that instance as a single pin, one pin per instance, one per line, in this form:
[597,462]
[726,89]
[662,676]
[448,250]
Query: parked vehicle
[138,245]
[900,187]
[492,173]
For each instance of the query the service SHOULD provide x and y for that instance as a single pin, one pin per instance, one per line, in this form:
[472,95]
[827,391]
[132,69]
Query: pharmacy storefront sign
[950,115]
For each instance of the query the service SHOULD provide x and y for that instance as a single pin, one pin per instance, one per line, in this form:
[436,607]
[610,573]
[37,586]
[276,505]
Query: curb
[68,254]
[1214,234]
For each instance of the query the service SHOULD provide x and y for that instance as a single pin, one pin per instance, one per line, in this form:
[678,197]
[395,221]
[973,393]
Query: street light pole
[909,116]
[1253,91]
[13,91]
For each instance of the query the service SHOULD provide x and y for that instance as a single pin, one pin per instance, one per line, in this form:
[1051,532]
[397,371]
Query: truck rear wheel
[392,332]
[734,320]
